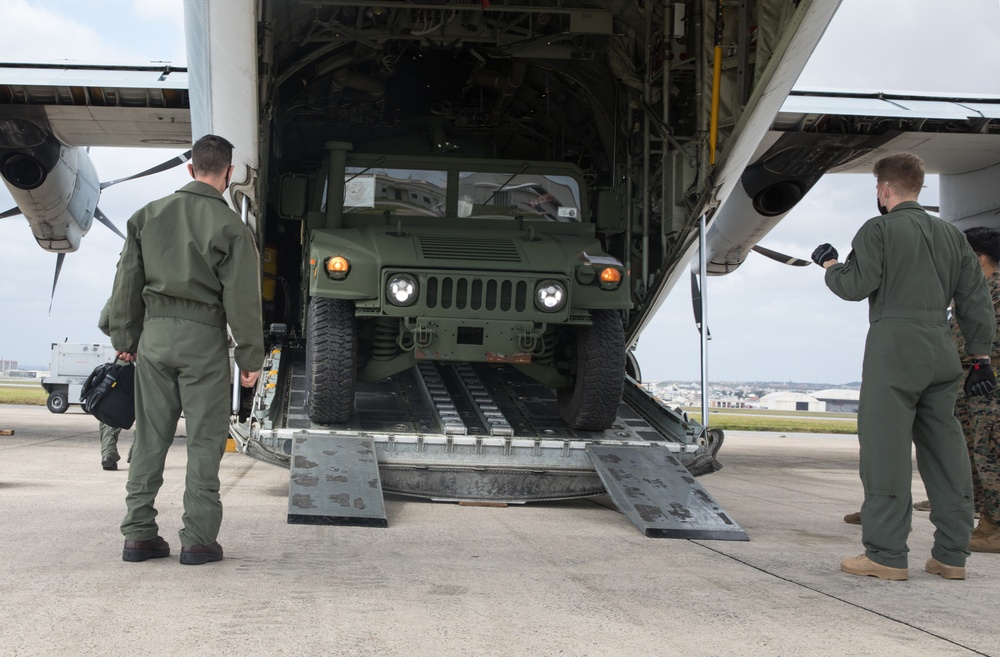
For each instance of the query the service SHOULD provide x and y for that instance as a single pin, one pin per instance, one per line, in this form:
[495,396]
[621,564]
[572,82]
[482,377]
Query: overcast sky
[769,322]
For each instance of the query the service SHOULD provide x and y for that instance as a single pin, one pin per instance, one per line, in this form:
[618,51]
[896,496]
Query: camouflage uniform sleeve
[127,310]
[240,277]
[974,308]
[994,283]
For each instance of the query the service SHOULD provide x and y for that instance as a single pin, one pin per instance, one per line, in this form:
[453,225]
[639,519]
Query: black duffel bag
[109,394]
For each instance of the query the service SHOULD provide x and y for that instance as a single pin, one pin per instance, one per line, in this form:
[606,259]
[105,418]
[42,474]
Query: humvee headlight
[610,278]
[337,267]
[401,290]
[550,296]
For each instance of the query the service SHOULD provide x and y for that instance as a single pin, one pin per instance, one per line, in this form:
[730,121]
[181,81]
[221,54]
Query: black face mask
[881,208]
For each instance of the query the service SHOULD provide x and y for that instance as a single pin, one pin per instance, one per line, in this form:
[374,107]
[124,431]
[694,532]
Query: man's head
[211,161]
[899,178]
[985,242]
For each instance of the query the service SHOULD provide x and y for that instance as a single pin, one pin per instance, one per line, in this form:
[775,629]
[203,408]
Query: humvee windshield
[423,193]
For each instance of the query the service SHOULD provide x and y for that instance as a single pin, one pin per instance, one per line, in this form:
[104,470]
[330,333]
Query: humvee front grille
[469,248]
[460,292]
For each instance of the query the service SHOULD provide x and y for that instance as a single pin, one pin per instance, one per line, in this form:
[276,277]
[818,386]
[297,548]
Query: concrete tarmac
[570,578]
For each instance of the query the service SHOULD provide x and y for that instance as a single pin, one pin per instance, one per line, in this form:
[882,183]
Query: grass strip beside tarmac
[746,422]
[20,394]
[734,419]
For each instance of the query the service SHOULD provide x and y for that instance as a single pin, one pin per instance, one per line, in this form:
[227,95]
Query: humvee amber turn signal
[337,267]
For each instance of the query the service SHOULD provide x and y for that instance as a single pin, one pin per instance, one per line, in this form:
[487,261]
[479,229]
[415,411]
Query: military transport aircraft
[523,183]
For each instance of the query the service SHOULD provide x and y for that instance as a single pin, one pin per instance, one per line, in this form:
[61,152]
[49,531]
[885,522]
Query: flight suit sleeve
[861,275]
[127,309]
[974,310]
[104,322]
[240,277]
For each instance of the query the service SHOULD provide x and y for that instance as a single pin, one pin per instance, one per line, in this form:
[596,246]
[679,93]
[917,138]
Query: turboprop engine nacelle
[56,188]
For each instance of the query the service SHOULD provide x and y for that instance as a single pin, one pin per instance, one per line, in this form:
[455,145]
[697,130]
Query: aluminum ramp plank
[658,494]
[334,480]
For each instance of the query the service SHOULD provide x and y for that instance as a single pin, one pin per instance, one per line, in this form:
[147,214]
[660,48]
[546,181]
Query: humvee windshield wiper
[507,182]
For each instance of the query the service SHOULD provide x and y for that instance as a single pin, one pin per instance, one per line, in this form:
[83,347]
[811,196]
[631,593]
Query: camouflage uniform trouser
[980,418]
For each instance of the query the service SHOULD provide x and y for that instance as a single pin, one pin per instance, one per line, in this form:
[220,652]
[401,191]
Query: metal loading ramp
[658,494]
[334,480]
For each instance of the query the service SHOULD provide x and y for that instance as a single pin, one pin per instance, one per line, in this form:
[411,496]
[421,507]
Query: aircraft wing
[82,105]
[818,132]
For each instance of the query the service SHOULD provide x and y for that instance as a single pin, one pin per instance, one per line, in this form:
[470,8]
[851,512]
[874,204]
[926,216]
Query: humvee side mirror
[292,196]
[609,210]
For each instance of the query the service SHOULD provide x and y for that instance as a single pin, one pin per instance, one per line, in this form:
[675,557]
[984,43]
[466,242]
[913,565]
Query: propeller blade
[55,279]
[696,302]
[103,218]
[13,212]
[169,164]
[780,257]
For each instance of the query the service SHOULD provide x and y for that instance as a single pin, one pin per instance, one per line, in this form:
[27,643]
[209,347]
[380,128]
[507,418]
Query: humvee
[437,258]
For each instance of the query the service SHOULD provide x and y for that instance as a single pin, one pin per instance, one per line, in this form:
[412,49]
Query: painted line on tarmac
[847,602]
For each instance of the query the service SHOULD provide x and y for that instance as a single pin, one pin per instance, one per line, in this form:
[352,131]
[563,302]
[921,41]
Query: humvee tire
[331,360]
[592,403]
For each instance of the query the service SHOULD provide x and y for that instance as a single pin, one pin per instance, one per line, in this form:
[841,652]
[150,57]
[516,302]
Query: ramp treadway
[658,494]
[334,480]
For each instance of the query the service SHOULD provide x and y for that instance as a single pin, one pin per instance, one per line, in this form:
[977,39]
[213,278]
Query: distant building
[7,365]
[791,401]
[23,374]
[839,400]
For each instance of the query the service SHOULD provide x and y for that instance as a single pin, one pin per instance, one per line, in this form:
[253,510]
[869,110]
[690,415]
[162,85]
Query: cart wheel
[57,402]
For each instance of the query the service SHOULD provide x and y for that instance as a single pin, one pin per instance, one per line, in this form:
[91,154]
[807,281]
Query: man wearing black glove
[982,380]
[824,253]
[909,266]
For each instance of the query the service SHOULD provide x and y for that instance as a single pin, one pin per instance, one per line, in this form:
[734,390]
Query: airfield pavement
[569,578]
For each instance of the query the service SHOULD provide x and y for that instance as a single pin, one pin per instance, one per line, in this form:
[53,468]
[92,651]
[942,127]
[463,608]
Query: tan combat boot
[935,567]
[985,526]
[986,538]
[862,565]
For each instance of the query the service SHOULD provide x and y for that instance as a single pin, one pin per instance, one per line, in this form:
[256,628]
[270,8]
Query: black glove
[823,253]
[982,380]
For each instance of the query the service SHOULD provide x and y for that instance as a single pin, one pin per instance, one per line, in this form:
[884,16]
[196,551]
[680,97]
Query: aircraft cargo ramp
[481,433]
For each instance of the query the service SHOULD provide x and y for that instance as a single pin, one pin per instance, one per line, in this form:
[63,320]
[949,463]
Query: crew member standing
[980,416]
[189,267]
[910,265]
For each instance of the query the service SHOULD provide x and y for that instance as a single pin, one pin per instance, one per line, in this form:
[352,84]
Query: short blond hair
[904,171]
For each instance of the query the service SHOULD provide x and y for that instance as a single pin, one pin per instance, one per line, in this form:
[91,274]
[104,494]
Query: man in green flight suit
[910,265]
[189,267]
